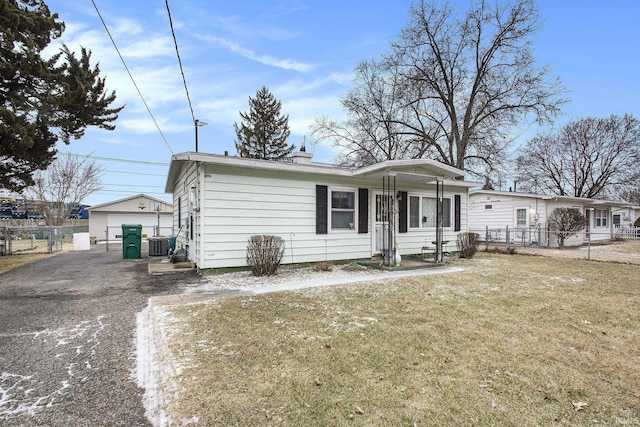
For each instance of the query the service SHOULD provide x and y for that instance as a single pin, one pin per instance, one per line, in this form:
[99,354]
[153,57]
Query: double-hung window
[423,212]
[521,217]
[343,209]
[601,217]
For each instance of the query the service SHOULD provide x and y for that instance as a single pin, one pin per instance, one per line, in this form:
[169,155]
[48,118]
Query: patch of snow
[27,394]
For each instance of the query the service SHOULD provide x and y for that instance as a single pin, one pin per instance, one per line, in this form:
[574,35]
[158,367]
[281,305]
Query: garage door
[115,221]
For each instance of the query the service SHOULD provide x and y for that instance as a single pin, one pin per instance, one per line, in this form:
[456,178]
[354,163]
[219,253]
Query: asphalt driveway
[67,330]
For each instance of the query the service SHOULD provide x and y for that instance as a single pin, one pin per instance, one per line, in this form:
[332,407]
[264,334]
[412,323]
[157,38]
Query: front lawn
[511,340]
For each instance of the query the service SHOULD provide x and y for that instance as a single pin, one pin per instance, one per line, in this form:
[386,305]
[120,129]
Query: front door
[587,225]
[383,212]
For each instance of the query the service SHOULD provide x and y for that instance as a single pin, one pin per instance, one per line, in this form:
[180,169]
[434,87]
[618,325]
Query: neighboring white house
[625,217]
[526,216]
[624,220]
[322,212]
[140,209]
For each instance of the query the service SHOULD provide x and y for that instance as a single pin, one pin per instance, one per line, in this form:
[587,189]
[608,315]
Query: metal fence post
[589,245]
[486,238]
[107,238]
[507,239]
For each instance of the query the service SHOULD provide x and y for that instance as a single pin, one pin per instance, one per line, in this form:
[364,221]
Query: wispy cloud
[233,25]
[286,64]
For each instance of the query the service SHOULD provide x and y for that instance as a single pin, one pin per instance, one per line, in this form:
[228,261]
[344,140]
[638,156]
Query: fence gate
[35,239]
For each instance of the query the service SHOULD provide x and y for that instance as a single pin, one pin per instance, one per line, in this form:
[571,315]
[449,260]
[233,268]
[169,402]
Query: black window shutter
[456,213]
[321,209]
[363,210]
[402,211]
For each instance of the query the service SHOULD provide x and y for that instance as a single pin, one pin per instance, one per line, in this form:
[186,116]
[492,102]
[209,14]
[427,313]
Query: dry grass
[627,251]
[9,262]
[626,247]
[512,340]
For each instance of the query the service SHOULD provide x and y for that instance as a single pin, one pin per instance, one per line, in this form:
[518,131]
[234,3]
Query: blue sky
[304,51]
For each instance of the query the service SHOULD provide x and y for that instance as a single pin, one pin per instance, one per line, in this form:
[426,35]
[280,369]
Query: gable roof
[571,199]
[411,170]
[126,199]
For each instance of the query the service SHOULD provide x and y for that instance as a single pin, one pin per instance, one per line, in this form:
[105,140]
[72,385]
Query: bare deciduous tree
[67,181]
[631,195]
[371,132]
[453,88]
[588,157]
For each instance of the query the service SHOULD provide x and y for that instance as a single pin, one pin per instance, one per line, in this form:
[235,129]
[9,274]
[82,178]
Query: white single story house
[526,216]
[323,212]
[141,209]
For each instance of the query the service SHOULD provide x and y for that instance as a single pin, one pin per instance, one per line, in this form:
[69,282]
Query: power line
[184,80]
[133,185]
[123,192]
[135,173]
[131,76]
[113,159]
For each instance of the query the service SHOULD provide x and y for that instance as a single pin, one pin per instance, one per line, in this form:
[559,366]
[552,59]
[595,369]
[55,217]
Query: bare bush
[467,244]
[566,222]
[264,254]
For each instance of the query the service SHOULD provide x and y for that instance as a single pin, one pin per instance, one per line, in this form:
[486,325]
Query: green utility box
[131,241]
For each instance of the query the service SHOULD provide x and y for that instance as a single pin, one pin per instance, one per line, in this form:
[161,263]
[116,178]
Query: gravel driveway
[67,329]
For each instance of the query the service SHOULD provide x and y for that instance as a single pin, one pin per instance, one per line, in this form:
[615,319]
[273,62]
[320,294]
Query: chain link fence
[617,244]
[112,238]
[36,239]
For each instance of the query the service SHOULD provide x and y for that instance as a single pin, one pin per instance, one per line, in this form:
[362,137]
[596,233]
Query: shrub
[637,222]
[323,266]
[566,222]
[467,244]
[511,250]
[264,254]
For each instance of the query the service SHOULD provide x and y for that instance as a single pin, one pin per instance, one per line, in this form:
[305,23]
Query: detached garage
[148,211]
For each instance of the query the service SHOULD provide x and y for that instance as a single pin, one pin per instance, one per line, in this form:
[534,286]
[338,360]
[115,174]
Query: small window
[601,217]
[616,220]
[343,209]
[488,207]
[521,217]
[414,212]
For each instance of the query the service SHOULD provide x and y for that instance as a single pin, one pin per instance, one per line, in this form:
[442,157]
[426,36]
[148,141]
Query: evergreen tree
[263,131]
[42,100]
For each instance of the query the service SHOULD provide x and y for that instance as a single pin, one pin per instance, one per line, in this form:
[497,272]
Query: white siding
[136,210]
[236,203]
[238,207]
[182,211]
[503,211]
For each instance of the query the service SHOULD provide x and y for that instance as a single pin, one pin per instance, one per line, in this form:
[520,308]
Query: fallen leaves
[579,406]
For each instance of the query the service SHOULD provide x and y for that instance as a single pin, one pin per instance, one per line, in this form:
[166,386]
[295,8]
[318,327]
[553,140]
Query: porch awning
[411,171]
